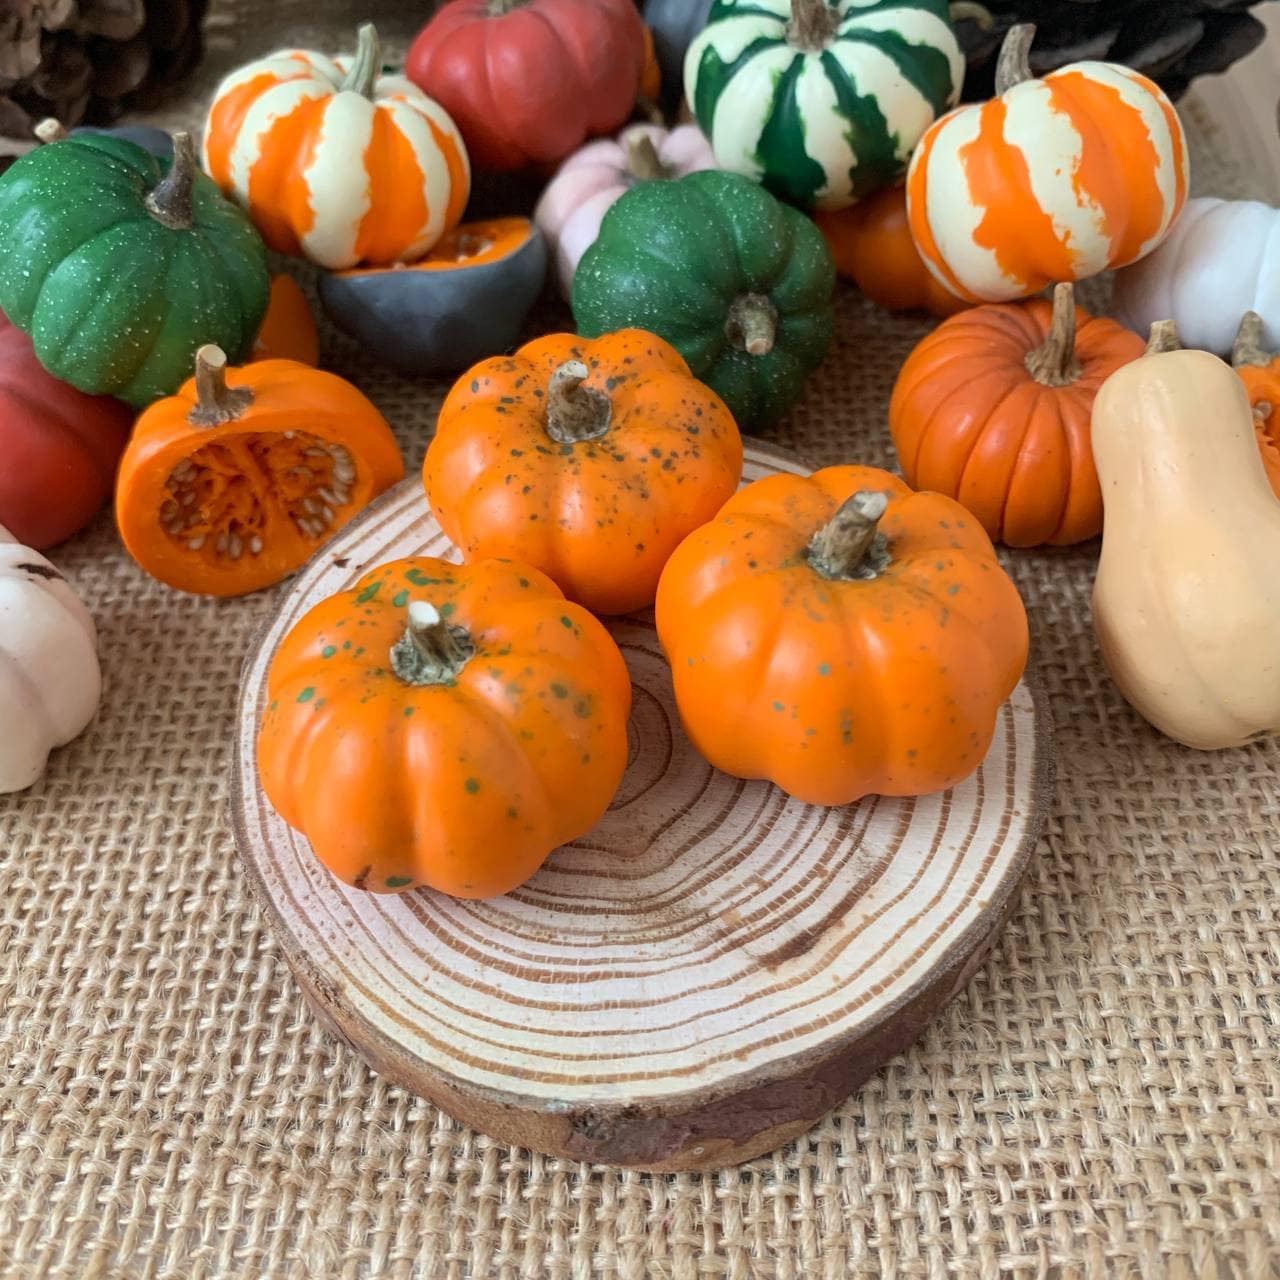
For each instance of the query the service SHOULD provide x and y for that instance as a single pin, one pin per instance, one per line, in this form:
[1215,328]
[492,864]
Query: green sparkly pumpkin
[739,284]
[120,265]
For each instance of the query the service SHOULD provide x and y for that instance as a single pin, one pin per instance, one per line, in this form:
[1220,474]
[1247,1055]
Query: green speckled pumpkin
[119,269]
[738,283]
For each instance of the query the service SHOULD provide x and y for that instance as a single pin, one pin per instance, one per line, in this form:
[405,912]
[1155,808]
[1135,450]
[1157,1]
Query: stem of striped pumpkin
[1053,363]
[1014,64]
[813,25]
[366,64]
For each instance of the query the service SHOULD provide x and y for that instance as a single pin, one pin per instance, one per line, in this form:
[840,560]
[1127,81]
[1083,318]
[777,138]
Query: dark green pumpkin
[738,283]
[118,273]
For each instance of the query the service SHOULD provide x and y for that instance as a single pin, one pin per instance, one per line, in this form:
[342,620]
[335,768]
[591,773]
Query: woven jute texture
[1103,1100]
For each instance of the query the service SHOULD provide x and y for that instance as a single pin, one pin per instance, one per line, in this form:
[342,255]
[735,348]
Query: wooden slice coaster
[694,982]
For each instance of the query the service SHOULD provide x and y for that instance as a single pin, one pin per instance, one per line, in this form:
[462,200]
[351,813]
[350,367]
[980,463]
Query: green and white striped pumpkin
[823,103]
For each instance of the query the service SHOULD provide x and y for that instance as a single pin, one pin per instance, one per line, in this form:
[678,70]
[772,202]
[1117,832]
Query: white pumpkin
[50,681]
[1221,259]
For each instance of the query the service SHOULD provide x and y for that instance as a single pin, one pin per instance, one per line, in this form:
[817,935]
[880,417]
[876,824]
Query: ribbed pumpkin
[1053,179]
[335,161]
[1259,370]
[992,408]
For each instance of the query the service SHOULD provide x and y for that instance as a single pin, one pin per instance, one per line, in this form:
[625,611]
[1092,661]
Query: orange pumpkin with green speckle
[841,635]
[444,725]
[587,459]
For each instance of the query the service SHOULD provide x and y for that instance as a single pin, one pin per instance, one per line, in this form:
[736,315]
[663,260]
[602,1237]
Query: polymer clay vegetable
[738,283]
[288,329]
[841,635]
[466,299]
[1053,179]
[674,23]
[1259,370]
[529,80]
[992,408]
[234,481]
[120,265]
[871,245]
[49,677]
[594,178]
[445,726]
[1221,259]
[58,447]
[335,161]
[1186,604]
[587,460]
[821,102]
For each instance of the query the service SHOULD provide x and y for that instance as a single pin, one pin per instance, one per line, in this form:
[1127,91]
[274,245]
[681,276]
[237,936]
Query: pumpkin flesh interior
[471,244]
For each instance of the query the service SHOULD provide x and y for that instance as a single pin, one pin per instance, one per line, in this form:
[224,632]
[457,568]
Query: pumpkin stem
[169,202]
[813,25]
[752,324]
[216,403]
[1013,66]
[974,12]
[850,544]
[575,412]
[431,650]
[1248,348]
[366,62]
[1164,337]
[1053,363]
[643,163]
[51,129]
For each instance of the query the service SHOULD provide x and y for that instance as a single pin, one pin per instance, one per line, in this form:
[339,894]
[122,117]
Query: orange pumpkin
[871,244]
[234,481]
[288,329]
[841,635]
[588,459]
[444,725]
[651,75]
[992,408]
[1259,370]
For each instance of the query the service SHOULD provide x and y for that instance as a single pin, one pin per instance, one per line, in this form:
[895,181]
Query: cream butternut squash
[1187,599]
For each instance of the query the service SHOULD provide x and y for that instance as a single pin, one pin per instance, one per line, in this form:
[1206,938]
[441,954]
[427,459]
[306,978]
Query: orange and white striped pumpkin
[335,162]
[1053,179]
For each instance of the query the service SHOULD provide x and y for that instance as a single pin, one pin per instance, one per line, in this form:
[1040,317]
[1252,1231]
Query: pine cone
[1172,41]
[92,59]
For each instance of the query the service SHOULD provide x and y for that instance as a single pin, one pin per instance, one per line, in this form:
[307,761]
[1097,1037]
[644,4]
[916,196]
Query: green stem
[431,650]
[366,62]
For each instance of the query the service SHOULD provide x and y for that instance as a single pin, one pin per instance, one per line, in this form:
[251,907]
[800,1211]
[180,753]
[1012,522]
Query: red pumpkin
[58,447]
[527,81]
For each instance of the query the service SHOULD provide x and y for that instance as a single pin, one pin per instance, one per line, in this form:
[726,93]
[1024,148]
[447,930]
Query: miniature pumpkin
[335,161]
[1221,259]
[594,178]
[841,635]
[49,677]
[445,726]
[674,23]
[119,265]
[1053,179]
[1259,370]
[467,299]
[992,409]
[1186,604]
[587,460]
[871,245]
[821,102]
[58,447]
[529,80]
[738,283]
[233,482]
[288,329]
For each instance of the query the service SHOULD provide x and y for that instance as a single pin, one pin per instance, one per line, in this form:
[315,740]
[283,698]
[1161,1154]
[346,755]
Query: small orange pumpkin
[589,460]
[234,481]
[444,725]
[841,635]
[288,329]
[992,408]
[1259,370]
[871,244]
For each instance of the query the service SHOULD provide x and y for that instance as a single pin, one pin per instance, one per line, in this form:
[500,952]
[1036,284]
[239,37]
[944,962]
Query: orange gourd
[588,459]
[841,635]
[288,329]
[235,480]
[651,76]
[444,725]
[992,408]
[871,245]
[1259,370]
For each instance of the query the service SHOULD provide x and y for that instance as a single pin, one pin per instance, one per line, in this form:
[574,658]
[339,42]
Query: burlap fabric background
[1102,1101]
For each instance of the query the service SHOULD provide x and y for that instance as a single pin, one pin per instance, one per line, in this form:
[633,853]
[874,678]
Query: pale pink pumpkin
[590,180]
